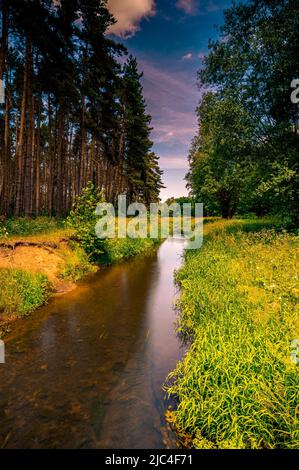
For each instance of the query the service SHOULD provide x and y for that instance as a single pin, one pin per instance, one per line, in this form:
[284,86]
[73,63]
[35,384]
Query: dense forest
[244,158]
[74,110]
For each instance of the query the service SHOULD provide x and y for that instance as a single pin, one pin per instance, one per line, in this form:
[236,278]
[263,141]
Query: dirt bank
[57,258]
[38,258]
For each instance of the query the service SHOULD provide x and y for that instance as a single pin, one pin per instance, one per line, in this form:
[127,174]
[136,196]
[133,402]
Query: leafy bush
[22,292]
[83,220]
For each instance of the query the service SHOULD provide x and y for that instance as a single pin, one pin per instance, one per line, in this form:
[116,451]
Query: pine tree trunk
[20,143]
[4,151]
[50,162]
[82,181]
[30,133]
[4,39]
[38,162]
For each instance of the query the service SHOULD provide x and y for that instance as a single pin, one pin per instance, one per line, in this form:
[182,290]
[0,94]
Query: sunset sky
[169,39]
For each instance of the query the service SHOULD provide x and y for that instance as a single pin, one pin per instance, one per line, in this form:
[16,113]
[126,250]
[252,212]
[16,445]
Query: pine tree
[137,130]
[72,114]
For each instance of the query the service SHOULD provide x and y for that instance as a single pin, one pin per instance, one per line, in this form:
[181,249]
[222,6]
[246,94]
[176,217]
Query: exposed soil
[36,257]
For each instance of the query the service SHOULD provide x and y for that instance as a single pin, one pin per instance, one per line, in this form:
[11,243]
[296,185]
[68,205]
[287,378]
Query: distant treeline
[72,112]
[246,153]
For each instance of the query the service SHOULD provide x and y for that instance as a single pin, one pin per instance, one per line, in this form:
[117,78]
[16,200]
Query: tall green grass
[120,249]
[237,386]
[21,292]
[76,264]
[24,226]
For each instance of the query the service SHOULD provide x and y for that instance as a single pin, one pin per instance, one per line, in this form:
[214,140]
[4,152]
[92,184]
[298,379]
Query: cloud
[174,162]
[188,6]
[129,14]
[188,56]
[172,97]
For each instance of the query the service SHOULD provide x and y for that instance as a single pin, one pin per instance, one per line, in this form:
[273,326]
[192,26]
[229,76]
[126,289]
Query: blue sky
[169,39]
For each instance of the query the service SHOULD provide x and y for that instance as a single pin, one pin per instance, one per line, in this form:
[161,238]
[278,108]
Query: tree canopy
[74,112]
[245,156]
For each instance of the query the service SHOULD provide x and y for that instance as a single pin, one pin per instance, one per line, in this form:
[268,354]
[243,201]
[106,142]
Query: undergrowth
[22,292]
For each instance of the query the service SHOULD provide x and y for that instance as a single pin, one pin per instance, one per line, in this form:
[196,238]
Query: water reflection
[86,371]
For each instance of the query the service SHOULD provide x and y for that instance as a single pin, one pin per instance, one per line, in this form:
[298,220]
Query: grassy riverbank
[237,386]
[40,257]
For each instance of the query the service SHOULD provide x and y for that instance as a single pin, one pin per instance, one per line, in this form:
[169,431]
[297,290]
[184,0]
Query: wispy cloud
[188,6]
[174,162]
[172,98]
[129,14]
[201,7]
[188,56]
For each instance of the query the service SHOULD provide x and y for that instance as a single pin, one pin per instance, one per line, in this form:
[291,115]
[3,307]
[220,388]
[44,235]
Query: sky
[169,38]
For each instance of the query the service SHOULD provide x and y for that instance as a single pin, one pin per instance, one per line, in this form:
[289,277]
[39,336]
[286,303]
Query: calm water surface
[86,371]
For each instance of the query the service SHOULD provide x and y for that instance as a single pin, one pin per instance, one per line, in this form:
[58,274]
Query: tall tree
[254,62]
[220,156]
[137,130]
[70,114]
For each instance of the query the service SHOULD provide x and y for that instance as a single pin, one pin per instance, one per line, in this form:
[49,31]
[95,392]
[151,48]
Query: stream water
[86,371]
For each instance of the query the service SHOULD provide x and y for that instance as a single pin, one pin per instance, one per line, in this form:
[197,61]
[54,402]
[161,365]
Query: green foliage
[219,156]
[22,292]
[144,174]
[83,220]
[237,386]
[77,264]
[24,226]
[118,250]
[153,179]
[3,232]
[84,115]
[245,156]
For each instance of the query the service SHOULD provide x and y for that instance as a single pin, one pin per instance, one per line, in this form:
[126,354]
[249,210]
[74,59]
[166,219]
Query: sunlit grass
[22,292]
[237,386]
[75,263]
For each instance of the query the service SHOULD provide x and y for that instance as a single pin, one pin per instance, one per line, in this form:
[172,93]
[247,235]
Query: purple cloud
[172,100]
[188,56]
[188,6]
[129,14]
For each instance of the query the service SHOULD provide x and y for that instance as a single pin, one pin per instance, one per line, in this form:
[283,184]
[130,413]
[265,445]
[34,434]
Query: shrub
[83,220]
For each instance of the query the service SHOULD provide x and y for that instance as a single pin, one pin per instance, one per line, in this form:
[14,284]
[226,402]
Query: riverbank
[90,364]
[41,258]
[237,386]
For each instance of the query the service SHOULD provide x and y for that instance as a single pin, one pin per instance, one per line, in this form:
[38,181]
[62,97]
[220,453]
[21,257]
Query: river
[86,371]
